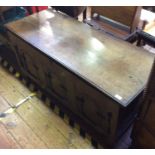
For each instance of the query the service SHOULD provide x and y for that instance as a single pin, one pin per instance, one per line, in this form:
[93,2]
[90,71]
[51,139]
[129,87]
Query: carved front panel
[32,62]
[61,83]
[96,108]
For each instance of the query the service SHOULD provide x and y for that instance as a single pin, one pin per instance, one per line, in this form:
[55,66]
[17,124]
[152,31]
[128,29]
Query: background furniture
[115,20]
[73,11]
[144,129]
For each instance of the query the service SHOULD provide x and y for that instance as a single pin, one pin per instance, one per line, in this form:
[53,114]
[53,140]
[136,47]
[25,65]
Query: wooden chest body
[98,78]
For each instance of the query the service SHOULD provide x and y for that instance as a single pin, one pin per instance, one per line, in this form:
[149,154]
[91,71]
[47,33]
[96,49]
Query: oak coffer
[98,78]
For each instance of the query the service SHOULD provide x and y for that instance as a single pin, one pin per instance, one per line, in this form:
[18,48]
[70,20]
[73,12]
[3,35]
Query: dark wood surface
[113,66]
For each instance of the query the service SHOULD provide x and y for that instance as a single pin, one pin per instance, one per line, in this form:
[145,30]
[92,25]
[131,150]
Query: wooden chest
[98,78]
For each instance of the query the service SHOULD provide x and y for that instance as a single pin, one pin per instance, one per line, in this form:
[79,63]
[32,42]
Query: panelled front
[31,62]
[45,72]
[12,44]
[93,106]
[60,82]
[97,109]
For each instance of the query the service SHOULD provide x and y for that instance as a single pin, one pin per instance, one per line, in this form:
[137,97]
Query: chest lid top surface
[111,65]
